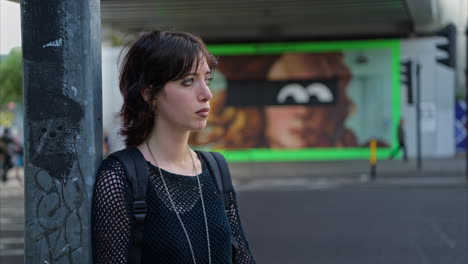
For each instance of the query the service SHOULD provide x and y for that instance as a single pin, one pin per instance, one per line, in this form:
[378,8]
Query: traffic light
[449,46]
[407,79]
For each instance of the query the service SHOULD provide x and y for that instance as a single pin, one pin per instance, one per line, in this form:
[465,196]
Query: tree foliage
[11,74]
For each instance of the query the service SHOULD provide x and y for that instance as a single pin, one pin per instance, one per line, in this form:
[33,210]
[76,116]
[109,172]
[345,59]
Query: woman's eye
[187,82]
[208,80]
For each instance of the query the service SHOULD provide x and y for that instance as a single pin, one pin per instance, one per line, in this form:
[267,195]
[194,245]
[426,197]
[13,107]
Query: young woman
[165,86]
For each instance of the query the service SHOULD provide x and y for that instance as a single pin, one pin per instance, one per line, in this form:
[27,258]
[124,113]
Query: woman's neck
[170,144]
[168,148]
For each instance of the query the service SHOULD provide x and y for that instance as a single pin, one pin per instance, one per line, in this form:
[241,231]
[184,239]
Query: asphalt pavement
[360,224]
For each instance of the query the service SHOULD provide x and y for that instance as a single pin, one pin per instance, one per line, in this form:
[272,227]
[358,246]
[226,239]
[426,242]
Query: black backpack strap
[225,175]
[136,170]
[213,168]
[219,170]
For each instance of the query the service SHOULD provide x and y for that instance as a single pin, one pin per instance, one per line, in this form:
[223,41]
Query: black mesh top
[164,240]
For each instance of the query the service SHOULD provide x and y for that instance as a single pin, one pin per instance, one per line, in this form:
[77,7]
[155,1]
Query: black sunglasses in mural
[293,92]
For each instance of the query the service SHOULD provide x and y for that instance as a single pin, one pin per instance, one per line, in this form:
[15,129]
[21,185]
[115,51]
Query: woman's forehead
[202,65]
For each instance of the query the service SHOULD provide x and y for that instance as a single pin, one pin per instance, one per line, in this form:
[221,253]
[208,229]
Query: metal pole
[63,127]
[373,158]
[418,115]
[466,101]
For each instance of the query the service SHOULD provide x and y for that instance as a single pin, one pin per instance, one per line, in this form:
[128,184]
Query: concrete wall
[437,100]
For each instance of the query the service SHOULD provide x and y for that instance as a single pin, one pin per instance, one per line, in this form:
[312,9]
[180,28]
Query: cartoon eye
[320,91]
[294,90]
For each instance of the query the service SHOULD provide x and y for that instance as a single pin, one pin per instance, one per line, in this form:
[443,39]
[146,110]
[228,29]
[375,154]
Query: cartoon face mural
[298,100]
[286,101]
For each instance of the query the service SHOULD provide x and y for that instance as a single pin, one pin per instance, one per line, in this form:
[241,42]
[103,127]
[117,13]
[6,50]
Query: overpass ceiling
[221,20]
[244,20]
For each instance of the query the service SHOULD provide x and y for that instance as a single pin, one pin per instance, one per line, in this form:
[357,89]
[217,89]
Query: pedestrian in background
[165,86]
[401,142]
[6,145]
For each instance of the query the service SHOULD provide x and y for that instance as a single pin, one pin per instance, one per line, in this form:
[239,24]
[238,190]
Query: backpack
[136,170]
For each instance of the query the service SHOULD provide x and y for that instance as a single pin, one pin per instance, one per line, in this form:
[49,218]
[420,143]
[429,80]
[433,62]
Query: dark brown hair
[151,61]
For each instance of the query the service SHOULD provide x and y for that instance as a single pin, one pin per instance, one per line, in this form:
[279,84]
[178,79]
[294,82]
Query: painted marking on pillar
[55,43]
[75,91]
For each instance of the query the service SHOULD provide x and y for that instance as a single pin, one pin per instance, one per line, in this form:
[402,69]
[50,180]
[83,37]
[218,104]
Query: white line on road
[444,236]
[287,185]
[11,246]
[12,227]
[11,240]
[12,252]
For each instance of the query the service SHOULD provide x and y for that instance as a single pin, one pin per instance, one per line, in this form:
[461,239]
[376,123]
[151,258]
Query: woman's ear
[149,96]
[146,93]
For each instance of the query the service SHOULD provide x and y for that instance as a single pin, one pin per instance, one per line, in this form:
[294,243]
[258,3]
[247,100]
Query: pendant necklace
[175,209]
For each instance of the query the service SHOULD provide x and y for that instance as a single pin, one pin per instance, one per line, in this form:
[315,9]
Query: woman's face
[184,104]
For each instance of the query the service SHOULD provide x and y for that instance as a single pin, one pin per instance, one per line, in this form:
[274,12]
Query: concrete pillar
[63,126]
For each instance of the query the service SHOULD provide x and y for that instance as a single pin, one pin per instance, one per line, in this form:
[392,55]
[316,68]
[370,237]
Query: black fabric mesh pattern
[164,240]
[242,255]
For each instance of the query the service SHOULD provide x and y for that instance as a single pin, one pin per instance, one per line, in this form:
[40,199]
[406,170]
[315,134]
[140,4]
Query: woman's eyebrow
[195,74]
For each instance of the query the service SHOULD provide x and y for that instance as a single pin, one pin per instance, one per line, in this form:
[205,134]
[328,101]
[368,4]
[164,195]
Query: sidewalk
[320,174]
[385,168]
[15,184]
[434,171]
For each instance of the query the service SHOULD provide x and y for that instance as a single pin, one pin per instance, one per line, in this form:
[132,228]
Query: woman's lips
[203,112]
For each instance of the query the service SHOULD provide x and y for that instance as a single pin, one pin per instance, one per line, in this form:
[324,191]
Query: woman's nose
[205,93]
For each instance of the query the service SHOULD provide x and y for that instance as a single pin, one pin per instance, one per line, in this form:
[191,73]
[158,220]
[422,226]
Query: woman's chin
[198,126]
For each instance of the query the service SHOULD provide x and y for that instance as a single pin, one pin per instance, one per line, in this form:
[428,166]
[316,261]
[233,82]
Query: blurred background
[344,121]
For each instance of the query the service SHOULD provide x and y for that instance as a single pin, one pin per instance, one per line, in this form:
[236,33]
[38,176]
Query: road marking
[12,252]
[11,240]
[12,227]
[444,236]
[288,184]
[11,243]
[5,221]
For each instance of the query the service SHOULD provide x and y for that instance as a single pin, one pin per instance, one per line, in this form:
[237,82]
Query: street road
[362,225]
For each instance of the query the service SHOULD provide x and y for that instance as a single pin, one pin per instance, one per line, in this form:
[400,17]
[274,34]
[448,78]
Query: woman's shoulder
[111,176]
[110,162]
[111,166]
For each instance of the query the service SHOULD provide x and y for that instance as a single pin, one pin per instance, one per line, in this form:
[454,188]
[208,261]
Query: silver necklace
[175,209]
